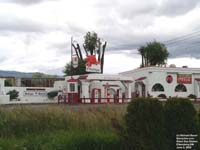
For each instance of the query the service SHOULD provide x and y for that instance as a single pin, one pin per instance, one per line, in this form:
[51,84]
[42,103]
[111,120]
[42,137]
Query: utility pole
[71,55]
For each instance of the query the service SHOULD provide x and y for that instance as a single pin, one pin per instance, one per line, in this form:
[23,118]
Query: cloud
[185,49]
[12,24]
[177,7]
[26,2]
[2,59]
[38,36]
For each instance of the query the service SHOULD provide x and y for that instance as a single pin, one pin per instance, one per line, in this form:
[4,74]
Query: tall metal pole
[71,55]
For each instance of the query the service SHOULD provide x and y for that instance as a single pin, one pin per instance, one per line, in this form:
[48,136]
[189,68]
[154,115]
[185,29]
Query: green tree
[153,53]
[90,42]
[144,125]
[141,51]
[68,70]
[13,94]
[180,118]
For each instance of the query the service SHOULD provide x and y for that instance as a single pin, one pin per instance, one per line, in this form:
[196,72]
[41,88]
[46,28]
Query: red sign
[92,65]
[184,78]
[169,79]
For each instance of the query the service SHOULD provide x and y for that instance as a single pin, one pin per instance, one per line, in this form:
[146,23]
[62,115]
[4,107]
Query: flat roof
[104,77]
[165,69]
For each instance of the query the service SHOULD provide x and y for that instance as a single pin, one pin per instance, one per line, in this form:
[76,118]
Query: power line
[182,37]
[182,40]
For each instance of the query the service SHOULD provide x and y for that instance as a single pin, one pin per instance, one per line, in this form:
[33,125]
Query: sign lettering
[184,78]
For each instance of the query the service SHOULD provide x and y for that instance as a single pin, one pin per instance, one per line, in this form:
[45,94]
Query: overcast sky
[35,34]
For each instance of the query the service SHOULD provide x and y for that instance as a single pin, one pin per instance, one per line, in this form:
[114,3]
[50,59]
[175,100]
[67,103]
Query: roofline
[161,68]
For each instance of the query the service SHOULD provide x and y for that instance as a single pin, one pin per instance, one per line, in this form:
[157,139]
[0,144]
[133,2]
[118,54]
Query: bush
[180,118]
[144,123]
[192,96]
[13,94]
[52,94]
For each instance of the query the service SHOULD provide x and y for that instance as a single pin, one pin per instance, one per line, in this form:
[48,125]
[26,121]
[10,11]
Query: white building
[90,88]
[98,88]
[165,81]
[160,82]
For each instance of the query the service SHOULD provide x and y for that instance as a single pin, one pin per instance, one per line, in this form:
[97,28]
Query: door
[96,95]
[143,90]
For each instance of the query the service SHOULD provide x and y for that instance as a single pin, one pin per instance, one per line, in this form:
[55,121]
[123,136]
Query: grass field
[61,127]
[41,127]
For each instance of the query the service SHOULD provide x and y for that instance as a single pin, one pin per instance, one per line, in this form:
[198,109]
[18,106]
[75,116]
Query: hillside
[18,74]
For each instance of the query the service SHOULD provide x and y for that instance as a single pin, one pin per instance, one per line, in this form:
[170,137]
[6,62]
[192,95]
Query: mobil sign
[184,78]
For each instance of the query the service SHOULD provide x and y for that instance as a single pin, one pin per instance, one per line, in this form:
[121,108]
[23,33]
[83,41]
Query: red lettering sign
[184,78]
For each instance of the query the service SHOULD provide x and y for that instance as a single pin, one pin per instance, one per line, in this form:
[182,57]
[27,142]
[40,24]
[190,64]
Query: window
[72,87]
[157,88]
[162,96]
[180,88]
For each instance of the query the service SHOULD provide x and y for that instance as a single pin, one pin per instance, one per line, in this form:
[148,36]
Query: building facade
[165,81]
[161,82]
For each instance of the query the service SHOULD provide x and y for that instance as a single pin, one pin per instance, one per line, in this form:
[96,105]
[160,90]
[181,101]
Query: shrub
[13,94]
[180,118]
[52,94]
[192,96]
[144,123]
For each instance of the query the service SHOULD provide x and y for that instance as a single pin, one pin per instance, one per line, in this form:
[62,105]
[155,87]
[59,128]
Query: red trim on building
[141,78]
[197,79]
[72,80]
[83,77]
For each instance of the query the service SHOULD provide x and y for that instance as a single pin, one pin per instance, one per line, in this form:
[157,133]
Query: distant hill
[18,74]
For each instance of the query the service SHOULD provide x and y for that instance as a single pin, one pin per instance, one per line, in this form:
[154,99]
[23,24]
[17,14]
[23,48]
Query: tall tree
[90,43]
[153,53]
[141,51]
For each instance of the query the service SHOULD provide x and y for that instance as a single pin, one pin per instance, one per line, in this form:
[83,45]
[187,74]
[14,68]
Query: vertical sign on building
[75,61]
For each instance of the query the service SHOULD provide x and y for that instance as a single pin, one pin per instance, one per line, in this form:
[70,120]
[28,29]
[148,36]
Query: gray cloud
[26,2]
[189,48]
[2,59]
[133,9]
[61,48]
[125,25]
[177,7]
[13,24]
[131,24]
